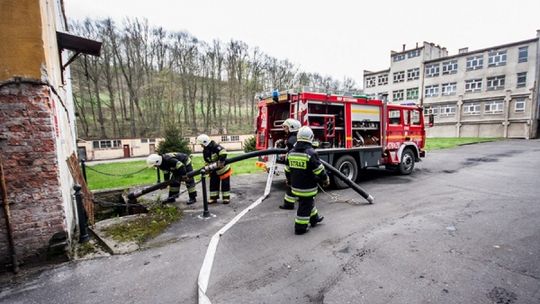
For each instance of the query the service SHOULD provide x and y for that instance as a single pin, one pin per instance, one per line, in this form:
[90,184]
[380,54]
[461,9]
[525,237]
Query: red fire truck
[353,132]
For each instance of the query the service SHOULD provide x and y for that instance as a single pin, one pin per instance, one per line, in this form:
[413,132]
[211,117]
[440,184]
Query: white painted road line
[206,268]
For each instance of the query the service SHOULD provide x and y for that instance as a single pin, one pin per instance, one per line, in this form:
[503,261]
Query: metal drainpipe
[7,216]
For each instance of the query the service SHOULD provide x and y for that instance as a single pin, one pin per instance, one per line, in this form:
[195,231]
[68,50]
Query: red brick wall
[28,147]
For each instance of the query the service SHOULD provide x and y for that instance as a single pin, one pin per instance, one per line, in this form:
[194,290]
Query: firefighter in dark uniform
[221,177]
[304,171]
[177,165]
[290,126]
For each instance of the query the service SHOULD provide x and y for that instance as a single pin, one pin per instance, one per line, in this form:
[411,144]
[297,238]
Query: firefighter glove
[184,178]
[326,182]
[220,164]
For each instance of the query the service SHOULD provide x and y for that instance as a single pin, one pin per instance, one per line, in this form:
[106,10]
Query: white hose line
[206,268]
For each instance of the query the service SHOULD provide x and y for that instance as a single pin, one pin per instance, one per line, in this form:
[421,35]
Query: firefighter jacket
[291,140]
[175,162]
[303,170]
[215,152]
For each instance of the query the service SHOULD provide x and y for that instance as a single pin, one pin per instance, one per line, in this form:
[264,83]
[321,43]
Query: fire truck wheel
[406,165]
[346,165]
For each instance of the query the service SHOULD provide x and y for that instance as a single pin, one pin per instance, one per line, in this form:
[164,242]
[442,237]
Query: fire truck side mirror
[431,119]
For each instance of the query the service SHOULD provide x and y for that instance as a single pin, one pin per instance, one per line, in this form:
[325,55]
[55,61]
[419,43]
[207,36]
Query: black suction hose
[351,184]
[133,195]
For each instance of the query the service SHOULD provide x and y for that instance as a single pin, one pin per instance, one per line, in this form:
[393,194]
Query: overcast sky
[334,37]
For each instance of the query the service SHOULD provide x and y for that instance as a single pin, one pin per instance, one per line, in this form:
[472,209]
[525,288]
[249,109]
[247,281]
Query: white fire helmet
[153,160]
[292,124]
[203,139]
[305,134]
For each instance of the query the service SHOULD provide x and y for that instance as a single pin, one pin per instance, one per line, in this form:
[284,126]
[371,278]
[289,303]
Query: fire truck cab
[353,132]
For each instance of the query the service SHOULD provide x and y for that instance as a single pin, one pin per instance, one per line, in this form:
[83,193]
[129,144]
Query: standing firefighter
[290,126]
[304,171]
[177,164]
[221,177]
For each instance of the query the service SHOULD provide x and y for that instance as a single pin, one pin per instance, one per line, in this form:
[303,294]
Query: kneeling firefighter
[221,177]
[304,171]
[178,165]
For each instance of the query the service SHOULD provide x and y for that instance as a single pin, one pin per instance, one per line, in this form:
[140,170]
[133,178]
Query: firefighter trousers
[289,199]
[174,187]
[217,183]
[306,214]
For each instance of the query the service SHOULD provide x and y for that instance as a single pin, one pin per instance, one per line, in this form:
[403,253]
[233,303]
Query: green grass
[445,143]
[147,176]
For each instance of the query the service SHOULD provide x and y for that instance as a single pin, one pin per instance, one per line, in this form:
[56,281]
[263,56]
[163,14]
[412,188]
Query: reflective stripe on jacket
[215,152]
[303,170]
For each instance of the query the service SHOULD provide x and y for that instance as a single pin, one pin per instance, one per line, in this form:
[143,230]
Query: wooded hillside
[149,78]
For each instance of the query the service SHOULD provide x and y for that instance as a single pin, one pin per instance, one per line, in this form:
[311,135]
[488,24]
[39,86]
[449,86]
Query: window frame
[498,78]
[521,101]
[432,70]
[445,86]
[476,82]
[435,90]
[475,106]
[399,92]
[443,108]
[413,74]
[399,75]
[371,81]
[523,58]
[521,84]
[499,107]
[497,58]
[412,90]
[478,59]
[449,67]
[383,77]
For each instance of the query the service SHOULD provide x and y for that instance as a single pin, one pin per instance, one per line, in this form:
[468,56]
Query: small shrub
[174,142]
[249,144]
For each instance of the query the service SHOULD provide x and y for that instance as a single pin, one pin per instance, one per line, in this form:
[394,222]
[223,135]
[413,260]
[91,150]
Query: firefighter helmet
[203,139]
[153,160]
[292,124]
[305,134]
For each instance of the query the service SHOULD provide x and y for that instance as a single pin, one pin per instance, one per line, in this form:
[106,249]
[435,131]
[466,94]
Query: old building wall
[37,128]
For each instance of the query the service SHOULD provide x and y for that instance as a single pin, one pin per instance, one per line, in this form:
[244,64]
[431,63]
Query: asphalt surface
[463,228]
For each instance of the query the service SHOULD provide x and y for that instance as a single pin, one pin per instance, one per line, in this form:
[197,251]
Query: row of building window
[475,85]
[106,144]
[495,58]
[225,138]
[474,108]
[403,56]
[448,89]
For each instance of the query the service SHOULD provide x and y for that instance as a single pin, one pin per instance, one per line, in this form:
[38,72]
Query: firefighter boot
[192,198]
[300,229]
[171,199]
[315,220]
[287,206]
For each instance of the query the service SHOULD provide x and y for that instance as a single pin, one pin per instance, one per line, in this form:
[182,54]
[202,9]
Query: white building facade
[491,92]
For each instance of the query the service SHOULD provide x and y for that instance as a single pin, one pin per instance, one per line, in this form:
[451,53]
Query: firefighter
[221,177]
[177,165]
[304,171]
[290,126]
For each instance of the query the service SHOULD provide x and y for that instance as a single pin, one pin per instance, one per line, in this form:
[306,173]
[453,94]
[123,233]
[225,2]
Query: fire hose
[213,166]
